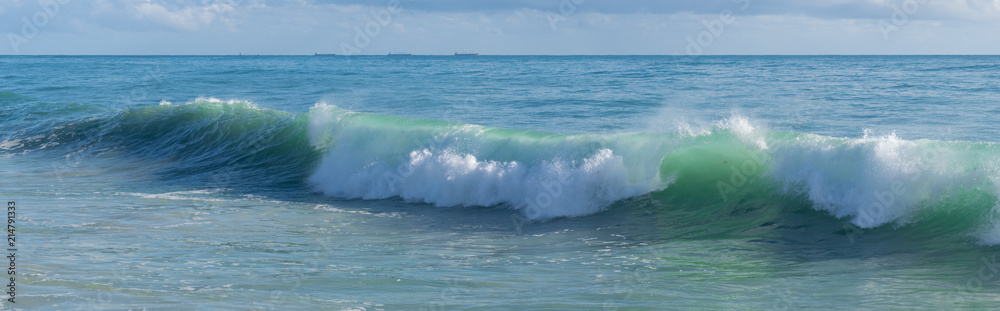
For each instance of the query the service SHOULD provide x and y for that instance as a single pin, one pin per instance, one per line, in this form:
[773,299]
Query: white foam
[872,180]
[462,166]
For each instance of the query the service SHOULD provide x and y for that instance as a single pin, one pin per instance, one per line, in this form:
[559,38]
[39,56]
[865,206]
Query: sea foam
[542,175]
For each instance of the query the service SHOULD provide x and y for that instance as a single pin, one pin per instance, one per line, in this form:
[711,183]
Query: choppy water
[518,182]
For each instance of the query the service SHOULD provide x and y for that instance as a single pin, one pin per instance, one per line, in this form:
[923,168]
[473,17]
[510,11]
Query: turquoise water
[514,182]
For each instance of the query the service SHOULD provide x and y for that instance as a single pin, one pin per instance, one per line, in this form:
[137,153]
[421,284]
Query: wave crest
[445,164]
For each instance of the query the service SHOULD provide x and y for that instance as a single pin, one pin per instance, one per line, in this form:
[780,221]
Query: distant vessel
[466,54]
[400,54]
[325,54]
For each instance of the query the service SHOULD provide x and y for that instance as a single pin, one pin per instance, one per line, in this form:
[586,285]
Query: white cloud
[190,19]
[158,15]
[512,27]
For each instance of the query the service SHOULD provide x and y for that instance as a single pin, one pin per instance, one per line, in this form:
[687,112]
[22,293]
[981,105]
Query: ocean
[502,182]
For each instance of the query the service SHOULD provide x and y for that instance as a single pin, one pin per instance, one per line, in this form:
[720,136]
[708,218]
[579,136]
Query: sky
[499,27]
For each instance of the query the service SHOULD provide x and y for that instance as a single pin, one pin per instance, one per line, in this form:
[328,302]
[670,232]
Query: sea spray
[871,182]
[543,175]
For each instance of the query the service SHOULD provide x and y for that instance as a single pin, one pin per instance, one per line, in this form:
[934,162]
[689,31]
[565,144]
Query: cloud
[511,26]
[195,15]
[187,14]
[190,18]
[832,9]
[150,15]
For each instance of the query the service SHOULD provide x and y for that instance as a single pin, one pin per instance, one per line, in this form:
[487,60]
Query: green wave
[729,180]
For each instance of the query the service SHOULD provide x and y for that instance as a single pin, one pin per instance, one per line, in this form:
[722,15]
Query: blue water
[513,182]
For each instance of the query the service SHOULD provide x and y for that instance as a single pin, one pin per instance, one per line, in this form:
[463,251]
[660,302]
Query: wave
[873,181]
[207,139]
[543,175]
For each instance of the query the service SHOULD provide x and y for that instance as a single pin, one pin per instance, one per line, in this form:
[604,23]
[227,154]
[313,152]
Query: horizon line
[480,54]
